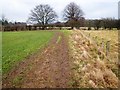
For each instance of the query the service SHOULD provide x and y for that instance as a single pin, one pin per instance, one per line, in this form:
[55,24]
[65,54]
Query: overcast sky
[19,10]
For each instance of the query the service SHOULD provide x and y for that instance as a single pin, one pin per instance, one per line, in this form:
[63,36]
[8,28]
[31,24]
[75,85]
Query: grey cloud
[19,10]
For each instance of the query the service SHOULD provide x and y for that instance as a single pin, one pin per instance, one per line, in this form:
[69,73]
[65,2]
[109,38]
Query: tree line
[43,17]
[104,23]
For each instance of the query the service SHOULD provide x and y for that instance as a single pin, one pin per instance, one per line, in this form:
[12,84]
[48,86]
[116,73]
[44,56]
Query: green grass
[18,45]
[66,32]
[58,40]
[17,80]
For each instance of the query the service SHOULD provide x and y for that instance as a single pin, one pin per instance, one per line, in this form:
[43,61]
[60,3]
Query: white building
[119,10]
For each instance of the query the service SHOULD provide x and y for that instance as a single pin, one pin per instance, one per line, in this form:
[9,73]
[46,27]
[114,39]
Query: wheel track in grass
[49,68]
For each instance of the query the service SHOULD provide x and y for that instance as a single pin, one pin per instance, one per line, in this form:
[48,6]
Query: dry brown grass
[91,67]
[107,35]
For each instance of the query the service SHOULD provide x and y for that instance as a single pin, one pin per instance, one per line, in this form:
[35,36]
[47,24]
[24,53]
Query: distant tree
[4,20]
[73,13]
[118,24]
[103,23]
[97,24]
[59,24]
[109,23]
[42,14]
[89,24]
[82,22]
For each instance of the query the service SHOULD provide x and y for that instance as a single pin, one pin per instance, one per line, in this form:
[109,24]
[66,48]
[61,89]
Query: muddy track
[47,69]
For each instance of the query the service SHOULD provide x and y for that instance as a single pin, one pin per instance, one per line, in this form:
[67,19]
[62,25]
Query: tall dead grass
[89,68]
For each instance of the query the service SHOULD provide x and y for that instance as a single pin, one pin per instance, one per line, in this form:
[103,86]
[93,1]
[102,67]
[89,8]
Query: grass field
[18,45]
[92,67]
[106,35]
[76,52]
[111,35]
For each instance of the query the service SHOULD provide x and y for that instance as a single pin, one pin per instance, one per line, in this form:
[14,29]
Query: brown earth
[48,68]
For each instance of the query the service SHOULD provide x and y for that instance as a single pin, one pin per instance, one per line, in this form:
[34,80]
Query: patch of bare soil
[47,69]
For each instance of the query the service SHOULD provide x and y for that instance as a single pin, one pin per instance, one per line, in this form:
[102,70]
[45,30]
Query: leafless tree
[42,14]
[73,13]
[4,20]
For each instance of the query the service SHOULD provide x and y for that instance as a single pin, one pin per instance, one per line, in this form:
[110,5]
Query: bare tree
[42,14]
[97,24]
[118,24]
[73,14]
[4,20]
[109,23]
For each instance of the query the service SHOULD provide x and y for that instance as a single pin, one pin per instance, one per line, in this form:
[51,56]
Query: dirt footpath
[47,69]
